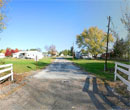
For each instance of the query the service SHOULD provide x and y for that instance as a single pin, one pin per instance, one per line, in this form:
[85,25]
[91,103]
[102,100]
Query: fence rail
[125,71]
[5,70]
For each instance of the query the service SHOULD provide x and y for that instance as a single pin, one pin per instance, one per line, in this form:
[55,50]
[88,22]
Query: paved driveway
[61,86]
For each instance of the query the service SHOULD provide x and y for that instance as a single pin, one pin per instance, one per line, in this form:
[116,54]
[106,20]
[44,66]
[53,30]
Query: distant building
[99,56]
[78,55]
[2,55]
[28,55]
[109,54]
[20,54]
[62,55]
[87,56]
[84,56]
[45,54]
[54,53]
[103,56]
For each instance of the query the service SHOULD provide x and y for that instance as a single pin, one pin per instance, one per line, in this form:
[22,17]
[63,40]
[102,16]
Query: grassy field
[96,67]
[26,65]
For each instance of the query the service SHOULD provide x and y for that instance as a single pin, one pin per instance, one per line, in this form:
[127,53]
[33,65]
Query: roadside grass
[96,67]
[26,65]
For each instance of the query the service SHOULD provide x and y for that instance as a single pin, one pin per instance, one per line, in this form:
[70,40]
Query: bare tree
[51,49]
[126,21]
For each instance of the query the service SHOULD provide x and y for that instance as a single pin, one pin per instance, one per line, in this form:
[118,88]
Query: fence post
[129,73]
[128,88]
[115,71]
[11,72]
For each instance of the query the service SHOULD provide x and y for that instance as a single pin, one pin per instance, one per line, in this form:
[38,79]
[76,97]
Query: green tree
[83,51]
[93,40]
[2,51]
[72,52]
[119,48]
[65,52]
[35,49]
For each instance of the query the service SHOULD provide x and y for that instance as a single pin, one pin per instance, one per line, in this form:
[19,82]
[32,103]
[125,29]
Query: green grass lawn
[26,65]
[96,67]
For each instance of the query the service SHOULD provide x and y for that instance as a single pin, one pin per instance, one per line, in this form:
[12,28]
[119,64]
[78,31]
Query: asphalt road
[61,86]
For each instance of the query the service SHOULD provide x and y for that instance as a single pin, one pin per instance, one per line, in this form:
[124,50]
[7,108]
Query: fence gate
[124,68]
[6,68]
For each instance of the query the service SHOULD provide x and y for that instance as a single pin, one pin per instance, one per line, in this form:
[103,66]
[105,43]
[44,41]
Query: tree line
[9,52]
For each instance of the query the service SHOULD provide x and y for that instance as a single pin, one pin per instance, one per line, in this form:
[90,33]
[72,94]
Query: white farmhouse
[20,54]
[87,56]
[2,55]
[33,55]
[62,55]
[28,55]
[84,56]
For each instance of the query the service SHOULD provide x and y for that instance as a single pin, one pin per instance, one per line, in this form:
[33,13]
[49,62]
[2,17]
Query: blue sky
[37,23]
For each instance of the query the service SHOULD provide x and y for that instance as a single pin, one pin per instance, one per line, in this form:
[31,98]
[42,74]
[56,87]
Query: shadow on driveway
[93,95]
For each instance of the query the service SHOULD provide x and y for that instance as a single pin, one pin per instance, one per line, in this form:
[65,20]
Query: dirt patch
[122,90]
[4,83]
[17,79]
[115,90]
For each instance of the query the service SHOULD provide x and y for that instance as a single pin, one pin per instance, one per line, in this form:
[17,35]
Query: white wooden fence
[125,71]
[5,70]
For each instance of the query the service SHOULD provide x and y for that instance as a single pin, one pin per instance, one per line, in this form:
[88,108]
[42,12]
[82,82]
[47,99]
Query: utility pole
[73,51]
[109,19]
